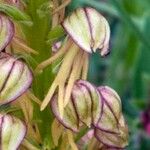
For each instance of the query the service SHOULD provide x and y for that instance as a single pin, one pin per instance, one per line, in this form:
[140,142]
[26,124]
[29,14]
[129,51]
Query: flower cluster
[97,108]
[75,103]
[15,79]
[88,31]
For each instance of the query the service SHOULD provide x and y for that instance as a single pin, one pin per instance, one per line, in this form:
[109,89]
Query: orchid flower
[13,132]
[98,109]
[111,129]
[15,78]
[87,31]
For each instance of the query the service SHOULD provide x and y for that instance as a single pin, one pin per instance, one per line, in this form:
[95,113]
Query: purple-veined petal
[89,30]
[12,132]
[111,129]
[83,103]
[95,100]
[70,118]
[15,78]
[6,31]
[114,140]
[111,110]
[83,108]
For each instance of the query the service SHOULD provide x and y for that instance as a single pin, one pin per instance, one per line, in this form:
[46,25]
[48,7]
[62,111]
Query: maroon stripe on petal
[105,101]
[90,28]
[25,87]
[56,114]
[102,107]
[70,35]
[90,98]
[104,130]
[74,105]
[111,110]
[7,78]
[86,85]
[74,100]
[101,141]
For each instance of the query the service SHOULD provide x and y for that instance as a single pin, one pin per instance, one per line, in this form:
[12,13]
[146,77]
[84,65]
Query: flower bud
[111,109]
[99,107]
[12,132]
[6,31]
[15,78]
[111,128]
[70,118]
[89,30]
[83,107]
[87,102]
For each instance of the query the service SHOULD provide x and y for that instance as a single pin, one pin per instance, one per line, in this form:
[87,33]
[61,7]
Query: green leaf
[55,34]
[15,13]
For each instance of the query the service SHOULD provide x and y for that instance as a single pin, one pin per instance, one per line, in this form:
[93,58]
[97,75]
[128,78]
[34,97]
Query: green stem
[36,36]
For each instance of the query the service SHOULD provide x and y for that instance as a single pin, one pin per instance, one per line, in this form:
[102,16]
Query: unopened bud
[111,128]
[83,107]
[12,132]
[89,30]
[113,140]
[87,102]
[15,78]
[70,118]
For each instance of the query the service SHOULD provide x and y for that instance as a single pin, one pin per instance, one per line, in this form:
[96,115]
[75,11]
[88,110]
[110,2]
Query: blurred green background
[127,67]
